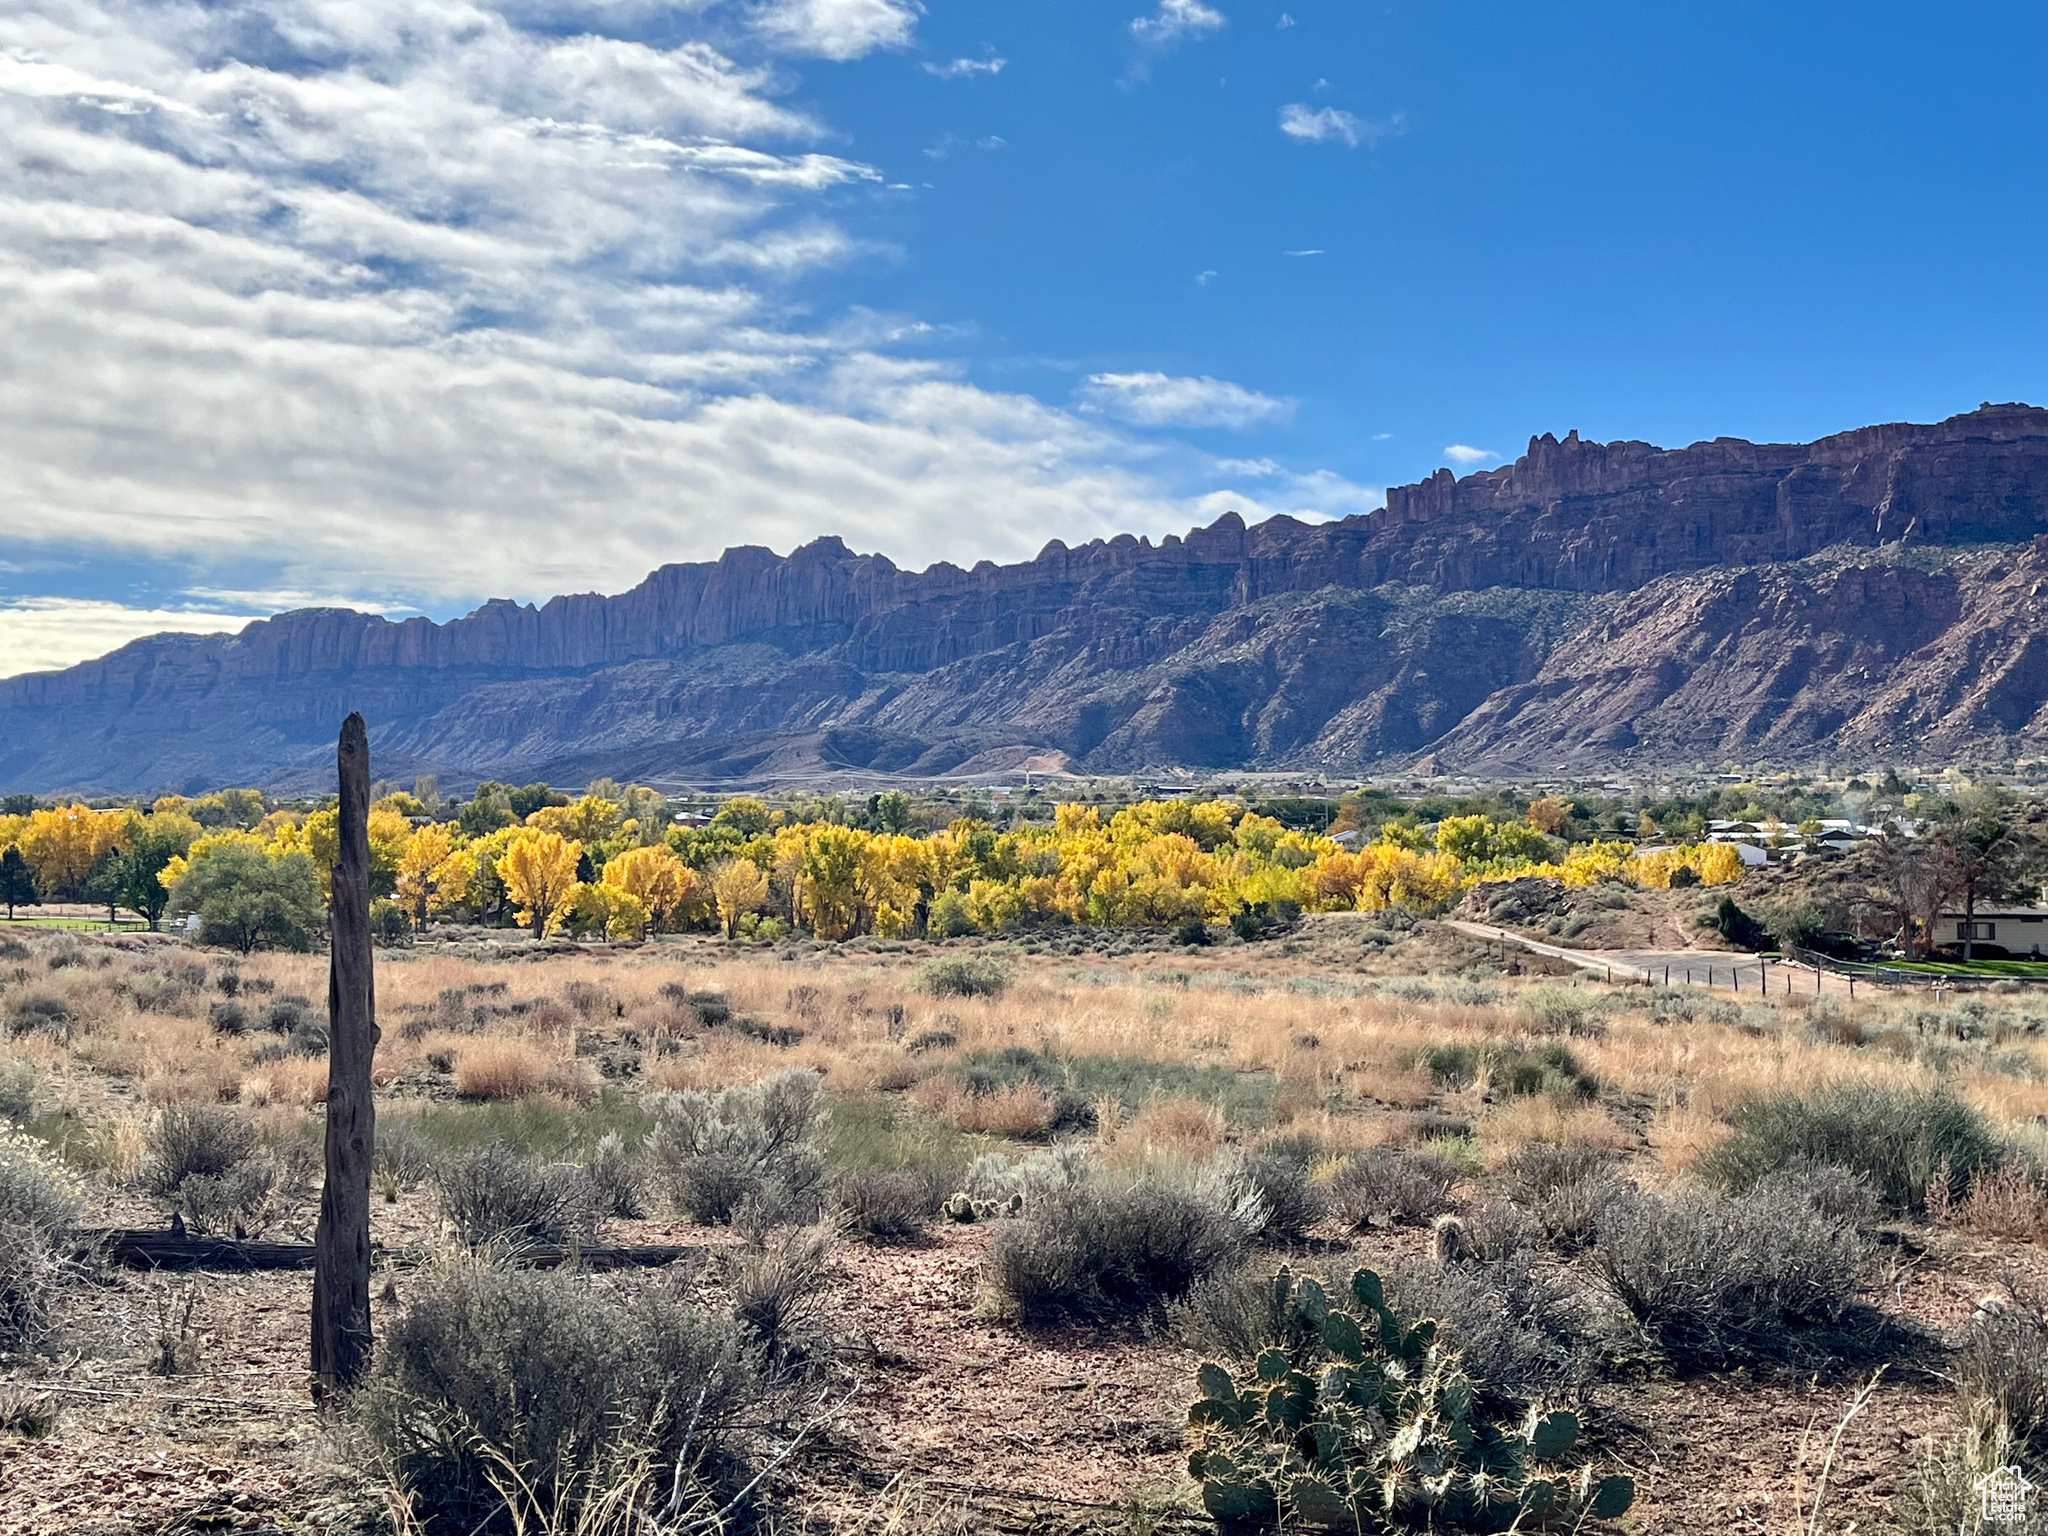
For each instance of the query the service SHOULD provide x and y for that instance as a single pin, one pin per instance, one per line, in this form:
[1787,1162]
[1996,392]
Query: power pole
[341,1242]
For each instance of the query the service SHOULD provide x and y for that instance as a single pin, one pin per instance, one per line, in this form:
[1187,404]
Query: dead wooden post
[341,1242]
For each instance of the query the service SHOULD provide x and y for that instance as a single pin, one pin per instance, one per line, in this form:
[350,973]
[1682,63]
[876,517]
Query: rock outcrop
[1879,591]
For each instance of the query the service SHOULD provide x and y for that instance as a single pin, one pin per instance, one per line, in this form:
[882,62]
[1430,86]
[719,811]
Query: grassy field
[1042,1183]
[1993,968]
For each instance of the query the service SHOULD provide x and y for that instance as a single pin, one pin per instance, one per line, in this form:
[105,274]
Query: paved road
[1734,974]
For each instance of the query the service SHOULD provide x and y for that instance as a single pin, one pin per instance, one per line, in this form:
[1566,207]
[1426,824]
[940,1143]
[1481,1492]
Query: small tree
[17,882]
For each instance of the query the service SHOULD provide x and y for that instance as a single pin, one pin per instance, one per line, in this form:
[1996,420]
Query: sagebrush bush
[497,1193]
[716,1154]
[617,1178]
[964,976]
[1509,1070]
[891,1203]
[590,1398]
[1899,1138]
[42,1013]
[2003,1361]
[1566,1190]
[1387,1186]
[1714,1280]
[39,1199]
[1520,1336]
[1289,1200]
[186,1141]
[1102,1253]
[17,1091]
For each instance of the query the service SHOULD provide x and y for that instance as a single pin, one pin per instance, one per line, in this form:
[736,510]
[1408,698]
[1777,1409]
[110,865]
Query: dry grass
[2007,1203]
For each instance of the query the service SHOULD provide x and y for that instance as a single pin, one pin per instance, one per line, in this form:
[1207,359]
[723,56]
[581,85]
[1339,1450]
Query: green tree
[488,810]
[247,900]
[138,887]
[17,882]
[1984,849]
[528,798]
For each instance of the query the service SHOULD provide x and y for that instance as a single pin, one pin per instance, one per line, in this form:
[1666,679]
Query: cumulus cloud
[40,634]
[1460,453]
[1174,22]
[1163,400]
[1333,125]
[838,29]
[437,303]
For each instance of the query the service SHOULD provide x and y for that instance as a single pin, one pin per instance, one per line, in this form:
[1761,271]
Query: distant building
[2021,931]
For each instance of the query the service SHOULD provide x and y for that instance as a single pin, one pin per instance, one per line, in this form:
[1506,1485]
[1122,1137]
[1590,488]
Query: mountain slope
[1875,592]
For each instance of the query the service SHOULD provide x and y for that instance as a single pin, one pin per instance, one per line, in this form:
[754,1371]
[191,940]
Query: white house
[2017,930]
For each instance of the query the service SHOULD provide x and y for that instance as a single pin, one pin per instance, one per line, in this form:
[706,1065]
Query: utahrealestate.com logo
[2004,1501]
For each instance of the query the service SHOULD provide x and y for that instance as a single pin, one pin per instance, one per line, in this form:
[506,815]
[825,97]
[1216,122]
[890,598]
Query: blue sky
[353,301]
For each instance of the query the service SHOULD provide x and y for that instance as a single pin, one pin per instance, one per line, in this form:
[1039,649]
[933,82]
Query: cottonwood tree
[539,871]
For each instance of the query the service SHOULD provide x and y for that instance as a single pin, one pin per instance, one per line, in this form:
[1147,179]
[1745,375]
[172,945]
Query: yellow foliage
[433,873]
[588,820]
[738,886]
[655,878]
[539,871]
[62,844]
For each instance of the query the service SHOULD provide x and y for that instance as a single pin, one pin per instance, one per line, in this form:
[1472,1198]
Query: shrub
[1518,1335]
[187,1141]
[718,1152]
[964,976]
[17,1090]
[1900,1139]
[1291,1202]
[590,1399]
[617,1179]
[38,1200]
[41,1013]
[1108,1254]
[228,1017]
[1385,1186]
[1022,1110]
[403,1153]
[891,1204]
[1510,1070]
[1713,1280]
[1566,1190]
[777,1287]
[499,1194]
[1553,1010]
[2003,1361]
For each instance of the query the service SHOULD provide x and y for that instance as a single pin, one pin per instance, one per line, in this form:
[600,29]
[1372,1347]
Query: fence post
[341,1240]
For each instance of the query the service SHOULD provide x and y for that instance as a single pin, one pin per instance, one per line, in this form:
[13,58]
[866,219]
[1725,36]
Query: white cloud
[1310,252]
[963,69]
[1285,20]
[1162,400]
[437,303]
[40,634]
[1460,453]
[838,29]
[1325,125]
[1174,22]
[1204,278]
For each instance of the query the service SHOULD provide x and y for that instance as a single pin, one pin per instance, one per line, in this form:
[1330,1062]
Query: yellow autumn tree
[433,872]
[588,820]
[63,843]
[829,891]
[739,886]
[539,871]
[654,877]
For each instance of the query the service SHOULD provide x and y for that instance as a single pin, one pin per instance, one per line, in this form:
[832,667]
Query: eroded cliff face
[1588,604]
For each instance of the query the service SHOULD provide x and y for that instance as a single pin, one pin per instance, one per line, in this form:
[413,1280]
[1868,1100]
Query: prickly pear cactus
[1352,1420]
